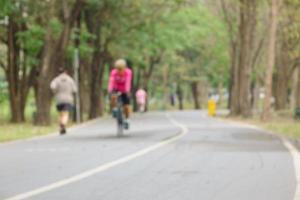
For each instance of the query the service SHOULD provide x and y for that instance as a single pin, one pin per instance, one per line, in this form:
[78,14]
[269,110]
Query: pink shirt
[141,96]
[120,82]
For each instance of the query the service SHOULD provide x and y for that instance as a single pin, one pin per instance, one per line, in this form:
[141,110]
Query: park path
[175,155]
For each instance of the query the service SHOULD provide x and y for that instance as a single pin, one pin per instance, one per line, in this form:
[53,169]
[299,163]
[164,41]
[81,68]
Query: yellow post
[212,108]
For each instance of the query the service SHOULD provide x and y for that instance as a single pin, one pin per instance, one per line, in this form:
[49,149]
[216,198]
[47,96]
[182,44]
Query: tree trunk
[96,98]
[203,92]
[136,86]
[165,81]
[282,77]
[255,96]
[233,104]
[99,61]
[230,19]
[240,99]
[98,67]
[148,73]
[220,93]
[16,72]
[45,74]
[53,57]
[13,70]
[180,95]
[297,93]
[246,29]
[281,85]
[271,60]
[194,87]
[84,86]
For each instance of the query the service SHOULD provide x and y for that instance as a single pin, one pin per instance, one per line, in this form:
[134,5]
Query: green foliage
[6,7]
[55,27]
[85,49]
[204,46]
[291,21]
[3,92]
[181,30]
[32,41]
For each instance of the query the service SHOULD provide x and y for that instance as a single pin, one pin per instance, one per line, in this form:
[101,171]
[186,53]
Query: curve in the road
[294,153]
[296,158]
[104,167]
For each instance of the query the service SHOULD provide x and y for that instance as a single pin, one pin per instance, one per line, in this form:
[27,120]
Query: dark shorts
[64,107]
[125,99]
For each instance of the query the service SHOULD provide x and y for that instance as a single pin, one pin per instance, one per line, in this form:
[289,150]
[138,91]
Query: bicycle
[118,113]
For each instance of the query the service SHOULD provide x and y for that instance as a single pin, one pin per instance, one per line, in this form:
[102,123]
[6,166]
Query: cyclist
[63,87]
[120,82]
[141,98]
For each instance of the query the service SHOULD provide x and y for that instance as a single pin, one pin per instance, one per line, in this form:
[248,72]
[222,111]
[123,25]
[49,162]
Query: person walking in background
[141,99]
[64,88]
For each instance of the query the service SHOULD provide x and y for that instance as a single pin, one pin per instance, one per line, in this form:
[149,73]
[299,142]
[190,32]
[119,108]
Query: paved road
[180,156]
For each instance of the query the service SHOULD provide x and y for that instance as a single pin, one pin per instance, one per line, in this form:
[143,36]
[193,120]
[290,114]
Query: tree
[23,44]
[297,92]
[241,20]
[271,59]
[53,54]
[287,58]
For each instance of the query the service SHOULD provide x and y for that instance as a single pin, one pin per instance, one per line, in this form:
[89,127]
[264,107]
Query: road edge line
[83,175]
[296,159]
[292,149]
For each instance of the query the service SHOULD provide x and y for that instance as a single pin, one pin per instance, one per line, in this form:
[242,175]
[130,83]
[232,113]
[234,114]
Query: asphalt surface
[212,160]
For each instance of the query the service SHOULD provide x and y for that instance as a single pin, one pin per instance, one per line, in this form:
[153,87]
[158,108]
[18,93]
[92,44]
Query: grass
[281,123]
[10,132]
[287,129]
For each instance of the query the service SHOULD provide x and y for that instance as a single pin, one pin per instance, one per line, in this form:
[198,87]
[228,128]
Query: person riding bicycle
[120,83]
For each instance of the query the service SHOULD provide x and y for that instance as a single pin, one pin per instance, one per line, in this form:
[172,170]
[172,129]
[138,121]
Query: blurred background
[242,54]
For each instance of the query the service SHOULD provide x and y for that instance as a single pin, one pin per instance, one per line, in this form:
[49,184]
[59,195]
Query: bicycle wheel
[120,127]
